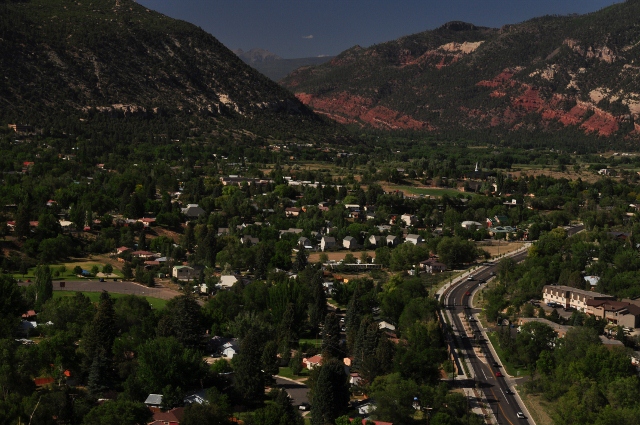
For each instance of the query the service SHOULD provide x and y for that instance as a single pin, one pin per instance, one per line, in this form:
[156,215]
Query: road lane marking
[500,407]
[505,396]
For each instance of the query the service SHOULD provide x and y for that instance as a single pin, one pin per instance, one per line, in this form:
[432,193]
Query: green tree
[247,365]
[330,393]
[97,344]
[331,337]
[44,285]
[107,269]
[394,398]
[118,412]
[182,319]
[12,305]
[164,361]
[533,339]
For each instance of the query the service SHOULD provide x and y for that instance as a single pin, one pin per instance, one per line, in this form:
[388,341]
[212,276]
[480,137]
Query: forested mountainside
[565,75]
[68,65]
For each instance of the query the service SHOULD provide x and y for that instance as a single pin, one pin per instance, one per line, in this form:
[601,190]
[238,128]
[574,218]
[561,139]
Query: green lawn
[286,372]
[312,341]
[157,303]
[509,367]
[68,274]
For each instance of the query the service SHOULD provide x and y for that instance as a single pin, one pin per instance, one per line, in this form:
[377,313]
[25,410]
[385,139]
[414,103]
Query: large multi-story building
[567,296]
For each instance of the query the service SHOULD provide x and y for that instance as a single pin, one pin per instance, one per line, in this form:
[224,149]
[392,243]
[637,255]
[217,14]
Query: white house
[230,349]
[386,326]
[414,239]
[227,281]
[409,219]
[392,240]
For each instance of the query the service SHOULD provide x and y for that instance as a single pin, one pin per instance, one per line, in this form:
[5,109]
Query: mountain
[275,67]
[65,61]
[559,76]
[254,56]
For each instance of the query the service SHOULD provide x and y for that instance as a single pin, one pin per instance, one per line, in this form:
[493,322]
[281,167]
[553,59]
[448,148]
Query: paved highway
[498,391]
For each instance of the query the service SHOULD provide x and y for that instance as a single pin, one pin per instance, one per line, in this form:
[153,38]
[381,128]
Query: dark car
[101,279]
[495,364]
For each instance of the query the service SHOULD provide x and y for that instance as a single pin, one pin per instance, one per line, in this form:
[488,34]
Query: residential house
[366,408]
[312,362]
[468,225]
[354,378]
[386,326]
[183,272]
[350,242]
[432,266]
[384,228]
[327,242]
[377,240]
[230,349]
[223,231]
[414,239]
[192,211]
[292,211]
[305,243]
[122,249]
[409,219]
[392,240]
[154,400]
[145,255]
[227,281]
[567,296]
[249,240]
[169,417]
[621,313]
[290,230]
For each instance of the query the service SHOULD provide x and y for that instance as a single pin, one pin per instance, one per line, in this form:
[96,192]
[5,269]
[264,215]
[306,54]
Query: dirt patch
[339,255]
[160,231]
[496,249]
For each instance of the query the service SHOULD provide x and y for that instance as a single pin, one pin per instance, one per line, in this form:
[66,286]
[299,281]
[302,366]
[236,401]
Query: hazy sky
[302,28]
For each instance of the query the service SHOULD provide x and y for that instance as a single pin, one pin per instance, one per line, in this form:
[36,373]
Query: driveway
[298,392]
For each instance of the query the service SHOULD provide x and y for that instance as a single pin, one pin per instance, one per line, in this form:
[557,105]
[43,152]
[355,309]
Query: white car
[520,415]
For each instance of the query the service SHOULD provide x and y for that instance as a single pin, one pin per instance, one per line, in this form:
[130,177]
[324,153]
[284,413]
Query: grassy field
[509,367]
[156,303]
[537,407]
[68,274]
[496,249]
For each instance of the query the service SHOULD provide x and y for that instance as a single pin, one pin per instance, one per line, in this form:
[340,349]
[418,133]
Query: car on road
[495,364]
[470,277]
[101,279]
[482,281]
[492,274]
[508,391]
[498,374]
[521,415]
[304,406]
[467,293]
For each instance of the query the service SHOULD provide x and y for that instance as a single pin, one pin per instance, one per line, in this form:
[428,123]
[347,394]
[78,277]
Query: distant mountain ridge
[275,67]
[68,59]
[553,74]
